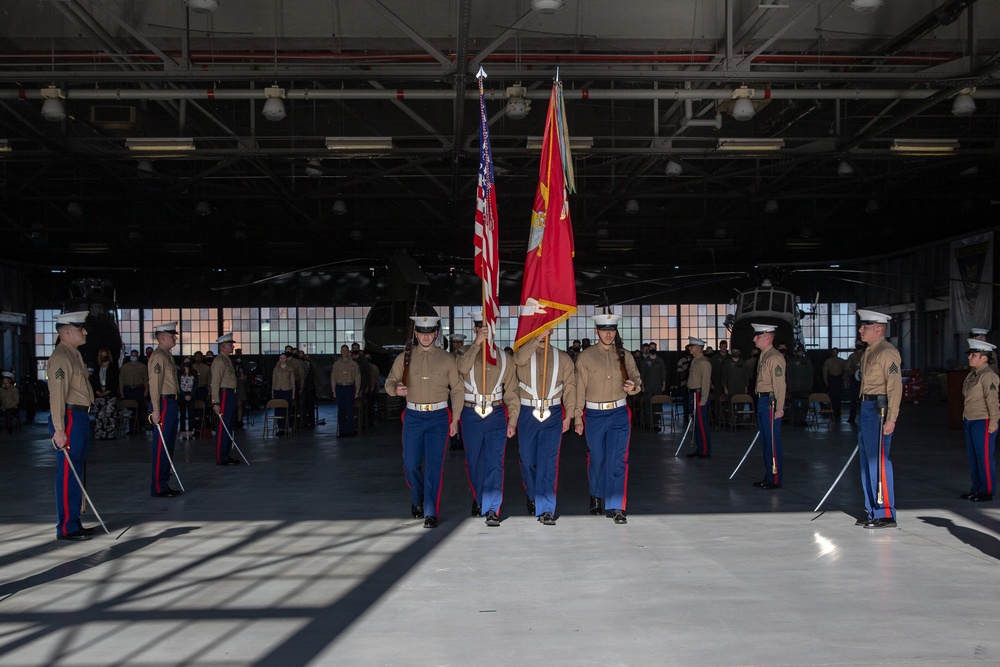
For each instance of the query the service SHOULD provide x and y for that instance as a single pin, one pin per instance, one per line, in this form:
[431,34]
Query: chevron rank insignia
[777,371]
[894,369]
[993,386]
[156,368]
[60,374]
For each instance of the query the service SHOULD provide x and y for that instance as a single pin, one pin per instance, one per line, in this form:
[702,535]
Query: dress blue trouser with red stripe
[981,445]
[345,409]
[608,433]
[539,444]
[227,414]
[485,445]
[69,495]
[425,437]
[771,451]
[161,464]
[868,434]
[702,441]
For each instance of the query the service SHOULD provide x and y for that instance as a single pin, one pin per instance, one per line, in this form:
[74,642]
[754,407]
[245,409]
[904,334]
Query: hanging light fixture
[314,168]
[963,105]
[53,109]
[547,6]
[742,107]
[517,106]
[74,209]
[674,168]
[632,206]
[339,207]
[274,106]
[202,6]
[845,168]
[872,206]
[203,208]
[771,206]
[866,6]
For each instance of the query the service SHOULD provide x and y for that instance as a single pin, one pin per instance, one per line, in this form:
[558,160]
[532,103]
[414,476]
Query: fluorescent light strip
[355,144]
[751,145]
[160,144]
[925,146]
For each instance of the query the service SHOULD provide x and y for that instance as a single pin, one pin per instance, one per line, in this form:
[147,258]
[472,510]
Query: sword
[232,439]
[843,470]
[166,451]
[774,451]
[752,443]
[86,497]
[881,453]
[686,431]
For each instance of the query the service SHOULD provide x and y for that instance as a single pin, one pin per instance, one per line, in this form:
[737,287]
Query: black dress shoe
[417,511]
[760,484]
[477,509]
[229,462]
[770,485]
[88,531]
[596,505]
[861,522]
[431,522]
[167,493]
[880,523]
[693,455]
[619,516]
[531,507]
[492,519]
[75,536]
[546,519]
[967,496]
[982,498]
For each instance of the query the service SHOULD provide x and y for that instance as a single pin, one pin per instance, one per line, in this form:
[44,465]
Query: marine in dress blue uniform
[490,405]
[881,393]
[699,385]
[981,414]
[163,390]
[770,391]
[345,378]
[547,396]
[601,411]
[70,398]
[433,385]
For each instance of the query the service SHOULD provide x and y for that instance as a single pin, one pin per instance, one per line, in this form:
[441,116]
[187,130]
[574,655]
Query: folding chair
[128,415]
[820,410]
[272,415]
[663,410]
[741,411]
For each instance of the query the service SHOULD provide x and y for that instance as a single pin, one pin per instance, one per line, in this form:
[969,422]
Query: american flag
[487,257]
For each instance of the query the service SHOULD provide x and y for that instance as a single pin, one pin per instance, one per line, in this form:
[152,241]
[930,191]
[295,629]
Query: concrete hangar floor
[309,557]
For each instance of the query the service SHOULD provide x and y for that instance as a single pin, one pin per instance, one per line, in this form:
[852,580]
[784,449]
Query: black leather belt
[173,396]
[871,397]
[470,404]
[82,408]
[765,393]
[345,384]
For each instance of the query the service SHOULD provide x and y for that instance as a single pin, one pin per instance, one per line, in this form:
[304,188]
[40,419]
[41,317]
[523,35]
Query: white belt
[537,403]
[480,398]
[426,407]
[611,405]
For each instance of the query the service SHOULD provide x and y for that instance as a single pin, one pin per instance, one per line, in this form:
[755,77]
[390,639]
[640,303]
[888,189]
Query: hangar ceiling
[651,90]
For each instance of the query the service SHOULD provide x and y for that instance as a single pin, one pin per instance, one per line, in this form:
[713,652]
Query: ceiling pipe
[690,121]
[122,94]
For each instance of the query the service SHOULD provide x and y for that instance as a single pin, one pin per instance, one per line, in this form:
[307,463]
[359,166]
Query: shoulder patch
[893,369]
[156,368]
[778,371]
[993,386]
[60,374]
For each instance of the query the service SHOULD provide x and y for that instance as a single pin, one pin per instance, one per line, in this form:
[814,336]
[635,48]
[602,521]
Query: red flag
[548,294]
[487,256]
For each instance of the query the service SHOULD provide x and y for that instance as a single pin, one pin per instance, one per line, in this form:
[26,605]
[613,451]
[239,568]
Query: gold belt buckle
[426,407]
[607,406]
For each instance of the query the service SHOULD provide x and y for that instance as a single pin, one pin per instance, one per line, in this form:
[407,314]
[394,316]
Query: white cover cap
[425,323]
[76,319]
[696,341]
[763,328]
[873,317]
[166,327]
[606,321]
[980,346]
[224,338]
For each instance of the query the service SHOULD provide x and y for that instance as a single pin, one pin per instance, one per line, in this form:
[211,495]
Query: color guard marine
[490,406]
[547,394]
[605,375]
[427,377]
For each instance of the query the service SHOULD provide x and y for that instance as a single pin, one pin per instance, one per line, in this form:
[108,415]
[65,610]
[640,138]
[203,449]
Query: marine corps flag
[548,294]
[487,256]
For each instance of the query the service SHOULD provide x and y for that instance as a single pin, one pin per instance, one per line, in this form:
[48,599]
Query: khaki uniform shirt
[162,376]
[10,397]
[700,377]
[283,379]
[771,376]
[834,367]
[599,376]
[346,371]
[881,374]
[853,363]
[459,350]
[223,377]
[565,384]
[68,383]
[204,372]
[300,374]
[470,367]
[433,378]
[133,374]
[980,391]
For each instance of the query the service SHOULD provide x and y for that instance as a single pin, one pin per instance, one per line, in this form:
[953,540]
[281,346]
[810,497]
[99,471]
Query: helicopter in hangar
[767,304]
[388,321]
